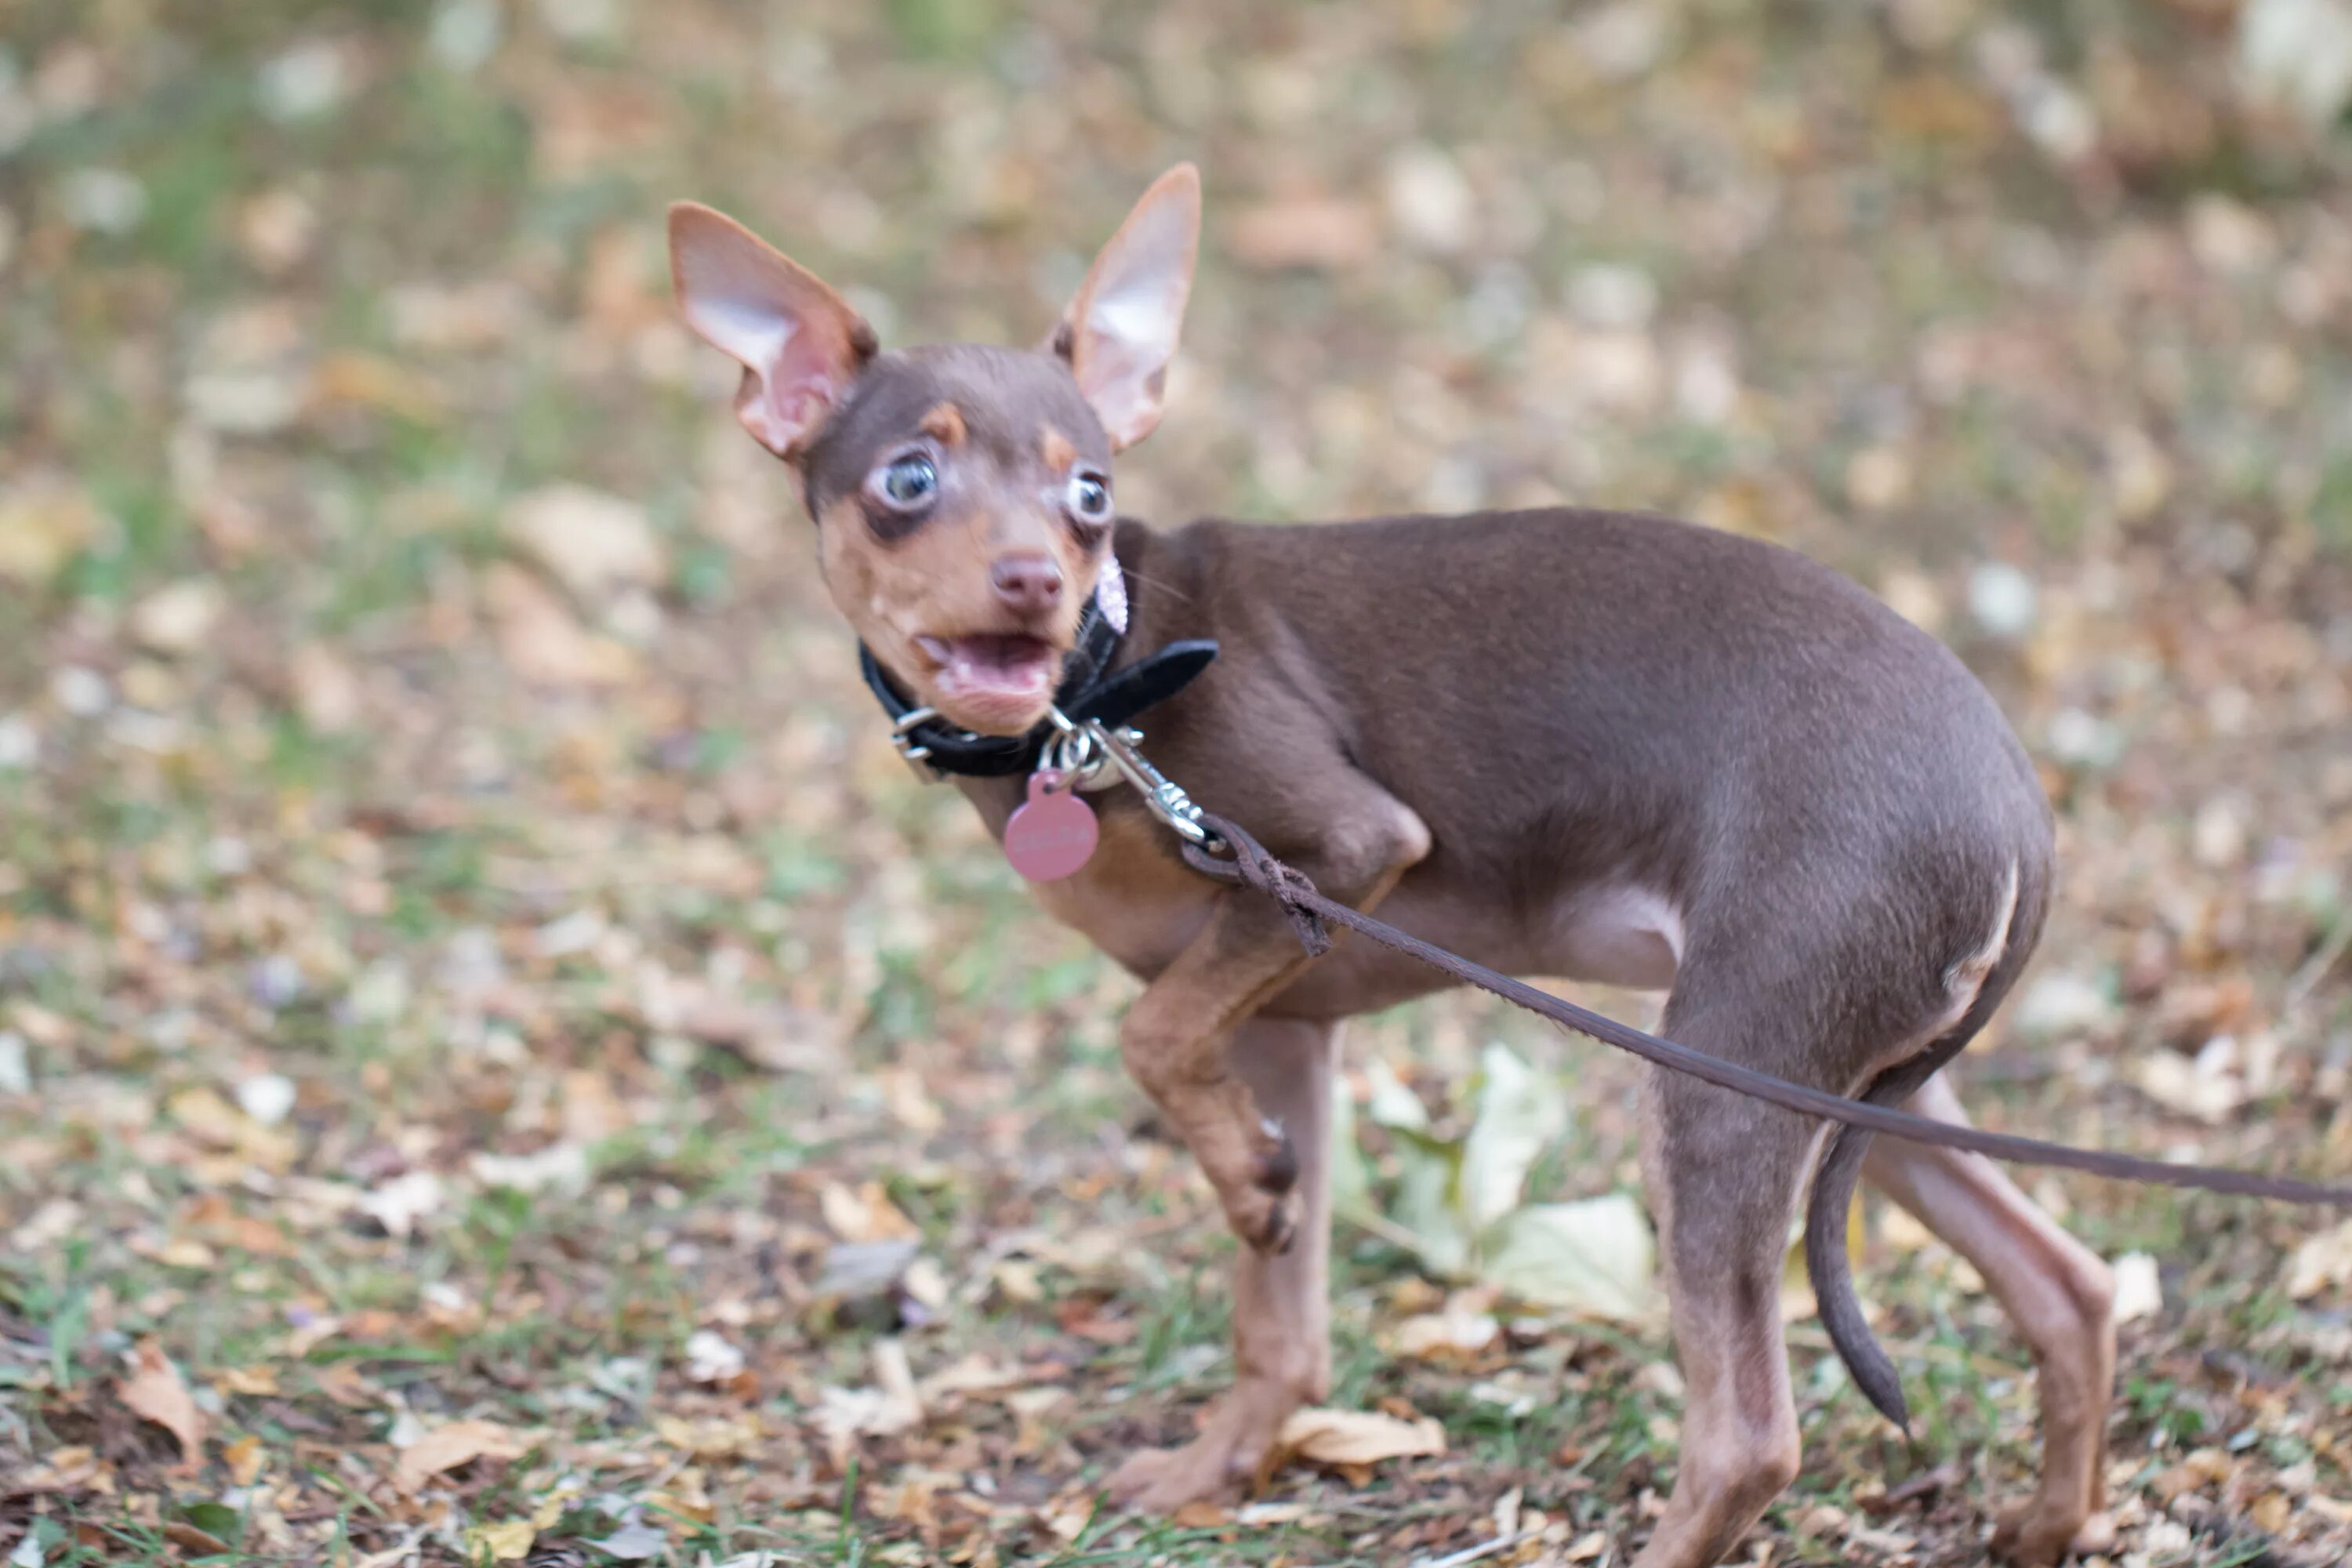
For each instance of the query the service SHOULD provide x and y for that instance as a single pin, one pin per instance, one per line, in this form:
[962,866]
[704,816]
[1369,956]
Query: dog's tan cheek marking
[1057,450]
[847,551]
[944,424]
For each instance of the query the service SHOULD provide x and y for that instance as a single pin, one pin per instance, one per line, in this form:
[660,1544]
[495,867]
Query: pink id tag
[1052,834]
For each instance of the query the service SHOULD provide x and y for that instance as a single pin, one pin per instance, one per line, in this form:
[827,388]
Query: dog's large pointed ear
[1120,333]
[799,342]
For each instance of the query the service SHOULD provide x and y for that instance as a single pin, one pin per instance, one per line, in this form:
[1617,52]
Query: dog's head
[963,494]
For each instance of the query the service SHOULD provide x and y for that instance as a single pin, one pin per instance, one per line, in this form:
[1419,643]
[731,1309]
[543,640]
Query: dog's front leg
[1282,1350]
[1252,1099]
[1173,1041]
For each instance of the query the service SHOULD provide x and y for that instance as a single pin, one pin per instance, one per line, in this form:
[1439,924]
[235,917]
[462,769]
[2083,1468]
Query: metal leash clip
[1162,797]
[1079,751]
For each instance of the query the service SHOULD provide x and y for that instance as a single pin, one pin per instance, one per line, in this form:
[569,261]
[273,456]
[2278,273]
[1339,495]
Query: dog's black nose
[1027,583]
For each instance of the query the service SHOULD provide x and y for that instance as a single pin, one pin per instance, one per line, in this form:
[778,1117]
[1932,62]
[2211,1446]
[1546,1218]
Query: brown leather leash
[1308,909]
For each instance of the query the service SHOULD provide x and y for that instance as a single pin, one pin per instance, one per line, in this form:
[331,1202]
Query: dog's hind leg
[1723,1173]
[2062,1299]
[1282,1353]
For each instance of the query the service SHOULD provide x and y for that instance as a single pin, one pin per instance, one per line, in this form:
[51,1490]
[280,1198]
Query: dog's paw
[2035,1535]
[1234,1454]
[1264,1214]
[1266,1221]
[1161,1480]
[1277,1160]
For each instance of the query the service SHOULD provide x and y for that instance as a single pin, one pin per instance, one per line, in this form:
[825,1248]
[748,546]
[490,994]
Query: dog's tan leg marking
[1173,1041]
[1173,1044]
[1282,1348]
[1967,977]
[2062,1299]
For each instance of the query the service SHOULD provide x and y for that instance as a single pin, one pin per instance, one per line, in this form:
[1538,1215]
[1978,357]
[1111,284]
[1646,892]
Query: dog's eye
[1089,496]
[908,483]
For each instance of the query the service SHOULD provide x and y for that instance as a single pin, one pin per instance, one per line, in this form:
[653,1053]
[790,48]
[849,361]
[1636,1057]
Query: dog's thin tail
[1988,971]
[1832,1271]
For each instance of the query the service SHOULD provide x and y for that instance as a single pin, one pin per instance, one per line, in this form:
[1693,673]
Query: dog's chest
[1134,900]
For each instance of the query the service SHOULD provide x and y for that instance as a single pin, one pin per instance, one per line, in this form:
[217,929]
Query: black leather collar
[1089,689]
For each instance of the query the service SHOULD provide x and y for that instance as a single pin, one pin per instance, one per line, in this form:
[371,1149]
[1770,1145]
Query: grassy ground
[498,1062]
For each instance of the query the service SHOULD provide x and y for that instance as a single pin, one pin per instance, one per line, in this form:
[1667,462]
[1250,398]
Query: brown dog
[1561,742]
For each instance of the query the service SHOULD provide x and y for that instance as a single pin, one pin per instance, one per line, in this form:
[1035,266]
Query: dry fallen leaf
[188,1538]
[1458,1332]
[864,1213]
[2206,1086]
[342,1381]
[208,1116]
[72,1468]
[2140,1293]
[45,522]
[155,1392]
[2324,1261]
[1357,1437]
[713,1440]
[506,1542]
[1595,1254]
[687,1497]
[893,1404]
[634,1542]
[399,1204]
[773,1036]
[257,1380]
[446,1447]
[974,1374]
[245,1458]
[711,1358]
[179,618]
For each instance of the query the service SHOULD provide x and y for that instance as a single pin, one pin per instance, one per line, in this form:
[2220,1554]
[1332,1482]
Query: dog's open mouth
[996,682]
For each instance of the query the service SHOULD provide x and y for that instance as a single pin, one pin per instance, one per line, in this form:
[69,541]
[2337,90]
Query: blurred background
[499,1062]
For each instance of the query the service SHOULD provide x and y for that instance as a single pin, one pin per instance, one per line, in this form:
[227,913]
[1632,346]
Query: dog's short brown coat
[1561,742]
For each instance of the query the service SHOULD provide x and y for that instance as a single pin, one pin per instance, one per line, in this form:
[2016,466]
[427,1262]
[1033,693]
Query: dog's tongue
[994,675]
